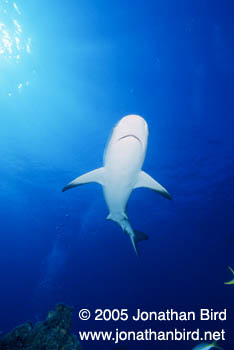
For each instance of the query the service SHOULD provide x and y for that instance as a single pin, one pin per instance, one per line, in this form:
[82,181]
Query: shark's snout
[133,121]
[132,126]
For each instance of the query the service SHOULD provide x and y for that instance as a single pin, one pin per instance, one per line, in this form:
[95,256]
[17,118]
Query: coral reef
[52,334]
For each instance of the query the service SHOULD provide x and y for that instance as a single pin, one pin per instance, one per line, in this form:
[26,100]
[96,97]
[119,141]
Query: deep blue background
[93,62]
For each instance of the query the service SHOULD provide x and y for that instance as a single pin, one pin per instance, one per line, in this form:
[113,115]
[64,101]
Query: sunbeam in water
[15,50]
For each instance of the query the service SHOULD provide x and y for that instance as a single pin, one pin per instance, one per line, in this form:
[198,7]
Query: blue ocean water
[74,71]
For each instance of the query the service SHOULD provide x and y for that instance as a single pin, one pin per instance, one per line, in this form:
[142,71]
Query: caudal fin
[232,281]
[136,238]
[214,345]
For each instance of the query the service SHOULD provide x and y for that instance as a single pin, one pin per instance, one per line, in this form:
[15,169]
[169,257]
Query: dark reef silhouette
[52,334]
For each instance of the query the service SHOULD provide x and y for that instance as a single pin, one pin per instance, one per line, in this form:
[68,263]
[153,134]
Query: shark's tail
[135,236]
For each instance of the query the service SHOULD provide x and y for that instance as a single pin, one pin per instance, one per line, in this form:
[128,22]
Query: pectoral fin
[145,180]
[96,175]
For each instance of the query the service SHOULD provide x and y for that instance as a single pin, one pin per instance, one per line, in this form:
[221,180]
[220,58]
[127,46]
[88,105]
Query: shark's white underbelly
[123,161]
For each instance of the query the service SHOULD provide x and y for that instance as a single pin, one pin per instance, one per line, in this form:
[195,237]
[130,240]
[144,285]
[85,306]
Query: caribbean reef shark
[121,173]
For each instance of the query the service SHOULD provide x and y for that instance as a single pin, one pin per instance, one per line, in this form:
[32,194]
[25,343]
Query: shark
[122,172]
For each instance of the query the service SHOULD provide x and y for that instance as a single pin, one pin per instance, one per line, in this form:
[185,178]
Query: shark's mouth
[130,135]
